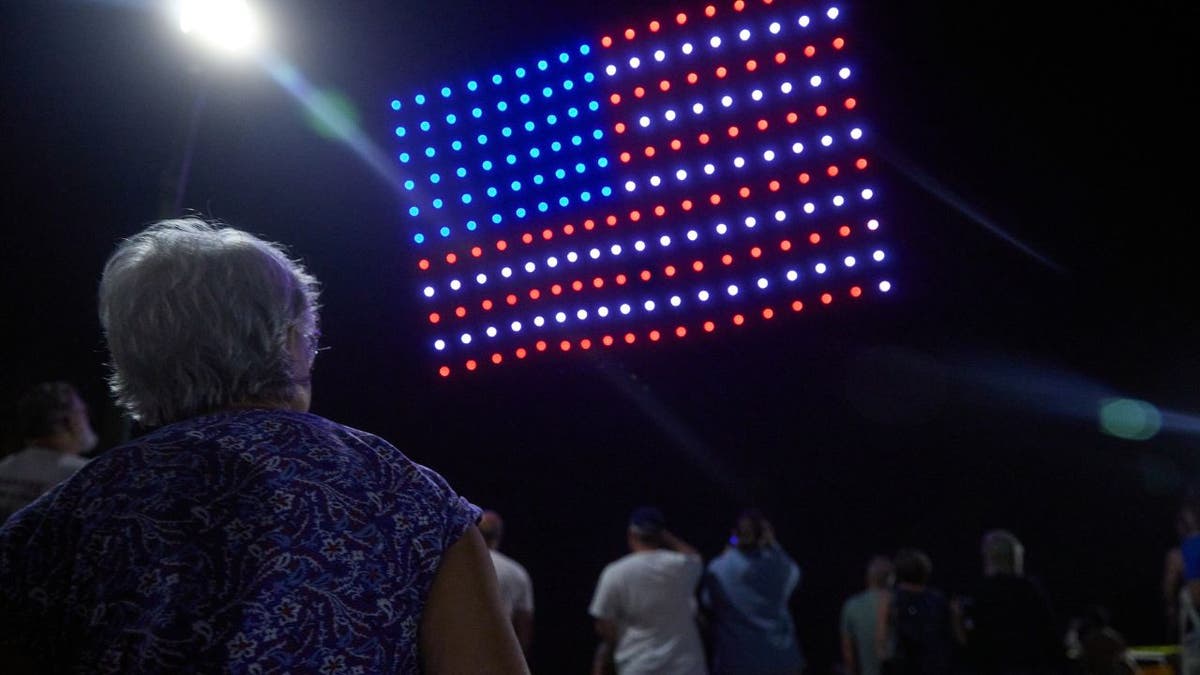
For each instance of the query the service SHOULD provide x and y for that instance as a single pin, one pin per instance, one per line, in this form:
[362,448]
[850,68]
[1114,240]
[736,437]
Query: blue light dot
[457,145]
[543,207]
[414,211]
[420,99]
[585,196]
[556,146]
[538,179]
[534,153]
[400,131]
[435,178]
[430,152]
[563,201]
[547,92]
[487,165]
[589,77]
[511,159]
[568,85]
[525,99]
[602,162]
[542,65]
[584,49]
[496,218]
[492,192]
[482,139]
[597,134]
[572,112]
[516,186]
[419,238]
[576,140]
[461,172]
[564,57]
[404,157]
[606,191]
[580,168]
[529,126]
[560,174]
[395,104]
[471,225]
[551,119]
[466,199]
[496,79]
[520,212]
[593,106]
[445,231]
[472,85]
[410,184]
[445,92]
[438,203]
[451,118]
[424,126]
[476,113]
[501,106]
[520,72]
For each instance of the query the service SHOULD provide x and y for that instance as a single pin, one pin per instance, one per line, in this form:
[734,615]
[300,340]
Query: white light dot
[832,13]
[732,290]
[439,344]
[664,240]
[539,321]
[727,100]
[581,314]
[797,147]
[702,296]
[804,21]
[751,221]
[644,121]
[838,200]
[786,87]
[885,286]
[655,181]
[601,311]
[615,249]
[815,80]
[849,261]
[491,331]
[669,115]
[709,169]
[676,301]
[686,48]
[844,73]
[639,246]
[792,275]
[820,268]
[681,175]
[697,108]
[762,283]
[455,285]
[872,224]
[827,140]
[610,70]
[878,256]
[560,317]
[552,262]
[466,338]
[506,272]
[649,305]
[659,55]
[594,254]
[722,228]
[809,207]
[780,216]
[744,34]
[481,278]
[515,326]
[630,186]
[739,162]
[867,193]
[714,41]
[625,308]
[756,94]
[635,62]
[693,235]
[428,291]
[769,156]
[856,133]
[572,257]
[530,267]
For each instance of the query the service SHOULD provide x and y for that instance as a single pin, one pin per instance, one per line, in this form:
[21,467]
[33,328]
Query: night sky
[965,401]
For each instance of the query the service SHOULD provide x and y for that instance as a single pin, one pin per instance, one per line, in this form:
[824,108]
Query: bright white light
[780,216]
[727,100]
[709,169]
[491,331]
[635,62]
[838,200]
[515,326]
[639,246]
[581,314]
[832,13]
[602,311]
[659,55]
[762,283]
[744,34]
[655,181]
[856,133]
[751,221]
[769,156]
[681,175]
[797,147]
[539,321]
[530,267]
[867,193]
[481,278]
[722,228]
[885,286]
[551,262]
[644,121]
[428,291]
[774,28]
[664,240]
[594,254]
[610,70]
[786,87]
[630,186]
[872,224]
[615,249]
[702,296]
[693,235]
[827,140]
[878,256]
[686,48]
[669,115]
[809,207]
[676,301]
[849,261]
[792,275]
[466,338]
[572,257]
[439,344]
[697,108]
[844,73]
[815,80]
[756,94]
[455,285]
[804,21]
[506,272]
[820,268]
[228,25]
[714,42]
[560,317]
[625,308]
[739,162]
[649,305]
[732,290]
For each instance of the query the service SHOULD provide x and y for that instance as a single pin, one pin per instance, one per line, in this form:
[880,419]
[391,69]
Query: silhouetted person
[914,634]
[54,425]
[242,534]
[644,605]
[860,620]
[516,588]
[1189,596]
[1009,626]
[746,591]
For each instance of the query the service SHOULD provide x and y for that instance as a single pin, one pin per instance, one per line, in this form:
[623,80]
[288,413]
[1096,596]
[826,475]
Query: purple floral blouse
[248,542]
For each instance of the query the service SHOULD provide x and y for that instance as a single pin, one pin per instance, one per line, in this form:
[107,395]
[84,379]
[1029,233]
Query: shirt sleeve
[606,601]
[1190,548]
[524,599]
[458,514]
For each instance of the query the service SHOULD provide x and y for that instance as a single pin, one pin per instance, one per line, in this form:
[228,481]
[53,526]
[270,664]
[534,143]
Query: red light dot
[629,33]
[756,252]
[855,291]
[521,352]
[727,259]
[822,111]
[611,220]
[501,245]
[832,171]
[620,279]
[568,229]
[785,245]
[826,298]
[664,85]
[710,11]
[797,306]
[649,151]
[598,282]
[607,340]
[619,127]
[703,138]
[804,178]
[762,125]
[698,266]
[722,71]
[850,103]
[715,199]
[681,18]
[738,319]
[577,285]
[680,331]
[645,275]
[768,313]
[744,192]
[838,43]
[655,335]
[630,338]
[540,345]
[814,238]
[424,264]
[635,216]
[534,294]
[547,234]
[606,41]
[692,78]
[860,163]
[774,186]
[739,6]
[444,371]
[434,317]
[733,132]
[676,144]
[496,359]
[625,157]
[565,345]
[659,210]
[511,299]
[792,118]
[780,57]
[451,258]
[486,305]
[476,251]
[844,230]
[669,270]
[585,344]
[752,65]
[809,51]
[460,312]
[556,289]
[471,365]
[527,238]
[615,99]
[654,26]
[686,205]
[639,91]
[589,224]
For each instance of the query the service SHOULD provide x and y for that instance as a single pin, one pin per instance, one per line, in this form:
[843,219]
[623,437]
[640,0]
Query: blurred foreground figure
[244,534]
[54,426]
[516,588]
[860,621]
[746,589]
[644,605]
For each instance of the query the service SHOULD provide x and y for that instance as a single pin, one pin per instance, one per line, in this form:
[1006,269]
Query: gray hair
[200,317]
[1002,553]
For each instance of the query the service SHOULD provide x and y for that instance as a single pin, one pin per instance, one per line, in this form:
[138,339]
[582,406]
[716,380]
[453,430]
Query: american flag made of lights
[680,177]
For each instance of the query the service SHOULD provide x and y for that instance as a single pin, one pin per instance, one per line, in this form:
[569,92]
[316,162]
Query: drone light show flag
[679,177]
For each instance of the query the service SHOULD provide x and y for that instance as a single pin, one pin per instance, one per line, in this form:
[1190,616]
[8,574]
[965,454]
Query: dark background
[966,401]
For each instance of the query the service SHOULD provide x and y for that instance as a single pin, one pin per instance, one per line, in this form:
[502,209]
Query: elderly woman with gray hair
[243,534]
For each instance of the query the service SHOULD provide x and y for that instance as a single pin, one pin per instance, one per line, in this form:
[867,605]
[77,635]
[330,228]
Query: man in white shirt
[645,604]
[53,422]
[516,588]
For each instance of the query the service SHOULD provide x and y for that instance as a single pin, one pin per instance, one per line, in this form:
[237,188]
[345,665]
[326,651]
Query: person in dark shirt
[915,634]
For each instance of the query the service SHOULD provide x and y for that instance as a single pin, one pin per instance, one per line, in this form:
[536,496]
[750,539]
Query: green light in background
[1130,419]
[332,115]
